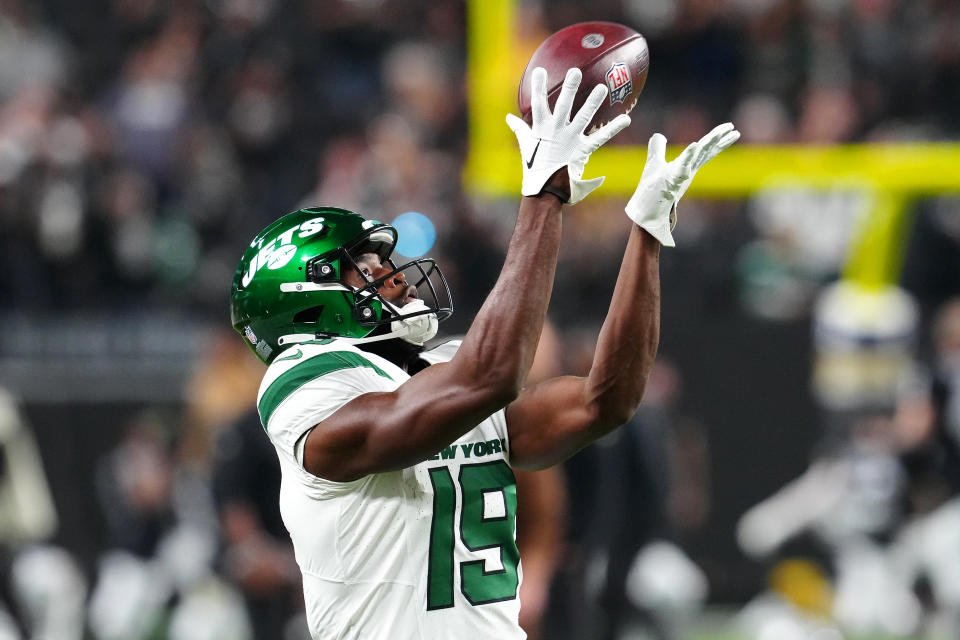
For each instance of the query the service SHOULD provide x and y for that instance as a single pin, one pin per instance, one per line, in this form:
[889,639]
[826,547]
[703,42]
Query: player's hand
[653,205]
[555,141]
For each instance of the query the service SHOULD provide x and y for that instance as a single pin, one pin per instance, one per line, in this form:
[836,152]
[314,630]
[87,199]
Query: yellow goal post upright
[893,173]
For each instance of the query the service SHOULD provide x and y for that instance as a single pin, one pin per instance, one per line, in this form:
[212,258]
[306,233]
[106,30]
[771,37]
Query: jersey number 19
[488,494]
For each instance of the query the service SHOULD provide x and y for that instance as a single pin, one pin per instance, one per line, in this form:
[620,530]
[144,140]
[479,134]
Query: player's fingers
[657,149]
[565,100]
[709,151]
[515,123]
[728,139]
[705,152]
[687,157]
[717,132]
[538,95]
[590,106]
[603,134]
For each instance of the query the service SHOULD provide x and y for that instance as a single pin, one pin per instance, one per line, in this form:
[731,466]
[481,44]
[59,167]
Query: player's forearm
[443,402]
[627,344]
[386,431]
[498,349]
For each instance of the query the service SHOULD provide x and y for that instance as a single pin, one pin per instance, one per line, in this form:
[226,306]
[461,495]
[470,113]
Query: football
[605,52]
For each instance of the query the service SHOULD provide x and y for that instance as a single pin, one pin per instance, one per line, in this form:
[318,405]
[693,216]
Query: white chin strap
[416,330]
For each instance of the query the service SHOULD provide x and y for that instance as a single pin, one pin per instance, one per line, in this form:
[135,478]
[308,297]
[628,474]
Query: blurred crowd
[144,142]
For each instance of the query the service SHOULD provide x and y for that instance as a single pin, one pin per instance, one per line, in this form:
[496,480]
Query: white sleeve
[311,403]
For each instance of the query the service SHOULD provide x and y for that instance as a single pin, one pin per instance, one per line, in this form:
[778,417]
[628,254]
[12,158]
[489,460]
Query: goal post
[893,173]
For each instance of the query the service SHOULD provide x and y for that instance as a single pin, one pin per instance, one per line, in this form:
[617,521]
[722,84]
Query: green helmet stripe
[302,373]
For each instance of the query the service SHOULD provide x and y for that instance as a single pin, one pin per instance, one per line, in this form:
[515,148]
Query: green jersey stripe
[303,372]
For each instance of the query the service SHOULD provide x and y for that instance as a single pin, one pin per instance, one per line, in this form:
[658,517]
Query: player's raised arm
[553,420]
[392,430]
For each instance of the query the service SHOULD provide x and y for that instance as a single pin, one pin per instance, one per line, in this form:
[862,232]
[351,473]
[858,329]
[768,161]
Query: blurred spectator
[42,583]
[849,499]
[51,592]
[542,495]
[223,444]
[257,554]
[928,422]
[220,390]
[157,572]
[135,487]
[542,509]
[635,491]
[31,52]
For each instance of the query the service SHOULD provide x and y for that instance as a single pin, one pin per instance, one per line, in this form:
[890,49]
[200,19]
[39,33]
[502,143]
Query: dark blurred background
[144,143]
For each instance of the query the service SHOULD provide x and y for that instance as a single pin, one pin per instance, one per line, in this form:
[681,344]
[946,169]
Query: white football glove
[653,205]
[555,141]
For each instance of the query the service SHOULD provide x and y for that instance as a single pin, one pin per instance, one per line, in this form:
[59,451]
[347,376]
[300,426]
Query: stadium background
[143,143]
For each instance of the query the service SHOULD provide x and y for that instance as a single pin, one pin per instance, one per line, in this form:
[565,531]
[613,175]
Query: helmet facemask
[416,321]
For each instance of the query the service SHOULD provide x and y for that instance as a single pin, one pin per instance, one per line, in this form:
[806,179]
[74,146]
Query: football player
[398,490]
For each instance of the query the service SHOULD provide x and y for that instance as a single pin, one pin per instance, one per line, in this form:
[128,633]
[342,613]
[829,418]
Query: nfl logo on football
[619,83]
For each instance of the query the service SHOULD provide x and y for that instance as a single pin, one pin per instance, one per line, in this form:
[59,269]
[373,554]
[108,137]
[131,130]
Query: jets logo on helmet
[291,287]
[281,250]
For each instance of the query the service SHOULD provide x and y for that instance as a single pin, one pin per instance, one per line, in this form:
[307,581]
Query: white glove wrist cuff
[580,189]
[660,231]
[534,182]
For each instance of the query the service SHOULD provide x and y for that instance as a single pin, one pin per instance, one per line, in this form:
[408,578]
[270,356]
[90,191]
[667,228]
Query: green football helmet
[290,286]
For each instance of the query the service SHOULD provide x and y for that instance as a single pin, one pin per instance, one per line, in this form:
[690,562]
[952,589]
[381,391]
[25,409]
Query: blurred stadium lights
[416,234]
[890,173]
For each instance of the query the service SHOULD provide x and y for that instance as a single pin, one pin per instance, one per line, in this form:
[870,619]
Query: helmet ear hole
[321,271]
[308,316]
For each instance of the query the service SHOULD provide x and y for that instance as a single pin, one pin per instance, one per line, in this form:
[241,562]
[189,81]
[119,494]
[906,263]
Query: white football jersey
[425,552]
